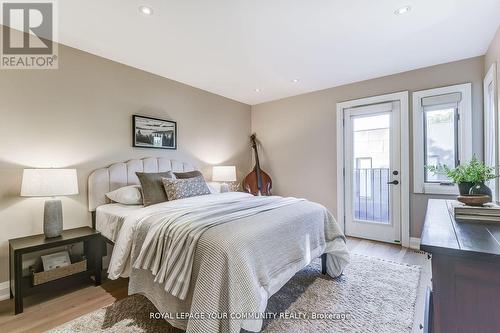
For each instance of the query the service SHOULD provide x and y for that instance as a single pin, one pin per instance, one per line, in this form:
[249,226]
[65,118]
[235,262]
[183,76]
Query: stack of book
[488,213]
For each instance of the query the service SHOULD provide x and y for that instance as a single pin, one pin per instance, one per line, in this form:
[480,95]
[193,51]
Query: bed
[236,265]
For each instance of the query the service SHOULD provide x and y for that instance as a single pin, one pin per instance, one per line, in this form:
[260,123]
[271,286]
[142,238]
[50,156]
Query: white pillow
[214,187]
[127,195]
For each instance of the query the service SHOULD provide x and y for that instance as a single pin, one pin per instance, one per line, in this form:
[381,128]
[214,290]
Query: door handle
[394,182]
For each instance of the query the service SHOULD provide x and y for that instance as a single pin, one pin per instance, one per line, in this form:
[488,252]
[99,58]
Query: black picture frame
[144,129]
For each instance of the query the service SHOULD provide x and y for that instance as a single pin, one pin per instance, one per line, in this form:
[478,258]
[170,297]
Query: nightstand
[21,286]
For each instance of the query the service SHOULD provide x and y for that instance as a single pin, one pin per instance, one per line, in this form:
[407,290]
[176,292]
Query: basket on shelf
[60,272]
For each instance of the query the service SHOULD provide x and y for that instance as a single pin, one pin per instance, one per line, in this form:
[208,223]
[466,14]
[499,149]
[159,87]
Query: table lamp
[224,174]
[50,183]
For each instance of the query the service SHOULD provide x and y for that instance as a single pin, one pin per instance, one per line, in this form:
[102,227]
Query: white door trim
[491,78]
[403,98]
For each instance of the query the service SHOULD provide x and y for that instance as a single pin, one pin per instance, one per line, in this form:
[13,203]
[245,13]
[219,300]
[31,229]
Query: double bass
[257,182]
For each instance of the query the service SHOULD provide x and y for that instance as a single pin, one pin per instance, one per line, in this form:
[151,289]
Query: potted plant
[469,177]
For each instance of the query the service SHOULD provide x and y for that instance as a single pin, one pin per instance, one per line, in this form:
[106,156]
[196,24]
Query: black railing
[371,194]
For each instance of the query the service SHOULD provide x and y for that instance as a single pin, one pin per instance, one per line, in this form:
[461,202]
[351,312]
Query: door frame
[491,78]
[403,98]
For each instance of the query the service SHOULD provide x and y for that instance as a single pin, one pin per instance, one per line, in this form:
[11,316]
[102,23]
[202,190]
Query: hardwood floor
[42,312]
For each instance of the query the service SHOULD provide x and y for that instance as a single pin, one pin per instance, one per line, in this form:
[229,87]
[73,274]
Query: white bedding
[232,271]
[110,218]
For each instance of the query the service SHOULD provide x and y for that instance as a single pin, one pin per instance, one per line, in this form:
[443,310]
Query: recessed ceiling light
[257,90]
[295,80]
[145,10]
[403,10]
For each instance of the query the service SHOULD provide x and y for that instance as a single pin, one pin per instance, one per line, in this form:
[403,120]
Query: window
[364,163]
[440,138]
[491,157]
[442,135]
[364,173]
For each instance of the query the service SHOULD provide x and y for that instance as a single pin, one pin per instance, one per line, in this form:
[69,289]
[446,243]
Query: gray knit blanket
[169,247]
[236,265]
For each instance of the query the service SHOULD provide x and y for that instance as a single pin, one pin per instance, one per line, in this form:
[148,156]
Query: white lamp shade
[49,182]
[224,173]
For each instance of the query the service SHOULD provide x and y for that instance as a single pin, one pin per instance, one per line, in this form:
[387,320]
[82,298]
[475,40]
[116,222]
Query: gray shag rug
[373,295]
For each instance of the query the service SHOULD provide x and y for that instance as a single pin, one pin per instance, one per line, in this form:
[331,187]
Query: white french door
[372,168]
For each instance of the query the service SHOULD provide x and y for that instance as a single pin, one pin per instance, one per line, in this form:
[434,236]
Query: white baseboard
[415,243]
[4,290]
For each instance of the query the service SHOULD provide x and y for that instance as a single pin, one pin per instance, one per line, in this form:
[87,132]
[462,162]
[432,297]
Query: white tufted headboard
[104,180]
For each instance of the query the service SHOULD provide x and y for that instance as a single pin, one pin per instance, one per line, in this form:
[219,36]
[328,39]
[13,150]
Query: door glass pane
[440,141]
[371,153]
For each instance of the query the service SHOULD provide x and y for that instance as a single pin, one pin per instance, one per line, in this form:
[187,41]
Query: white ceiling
[232,47]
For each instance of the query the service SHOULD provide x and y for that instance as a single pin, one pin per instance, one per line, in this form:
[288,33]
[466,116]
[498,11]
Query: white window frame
[491,79]
[464,136]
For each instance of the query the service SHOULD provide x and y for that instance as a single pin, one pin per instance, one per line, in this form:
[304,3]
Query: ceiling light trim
[403,10]
[145,10]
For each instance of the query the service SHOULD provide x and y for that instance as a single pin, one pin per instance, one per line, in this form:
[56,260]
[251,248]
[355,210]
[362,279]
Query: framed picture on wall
[154,133]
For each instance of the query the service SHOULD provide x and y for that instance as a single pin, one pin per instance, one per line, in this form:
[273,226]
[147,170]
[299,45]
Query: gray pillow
[185,188]
[152,187]
[189,174]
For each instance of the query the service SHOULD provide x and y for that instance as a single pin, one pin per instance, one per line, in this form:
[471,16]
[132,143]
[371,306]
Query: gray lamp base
[225,187]
[52,218]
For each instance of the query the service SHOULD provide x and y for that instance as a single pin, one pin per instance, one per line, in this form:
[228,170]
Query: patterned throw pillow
[185,188]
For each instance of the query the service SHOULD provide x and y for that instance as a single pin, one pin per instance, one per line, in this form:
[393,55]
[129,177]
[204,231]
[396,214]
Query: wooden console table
[465,272]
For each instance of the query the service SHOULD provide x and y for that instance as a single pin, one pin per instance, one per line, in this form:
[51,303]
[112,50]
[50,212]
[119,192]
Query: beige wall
[79,116]
[298,134]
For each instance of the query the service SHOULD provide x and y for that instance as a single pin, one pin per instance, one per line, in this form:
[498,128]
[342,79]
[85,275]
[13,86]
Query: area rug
[373,295]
